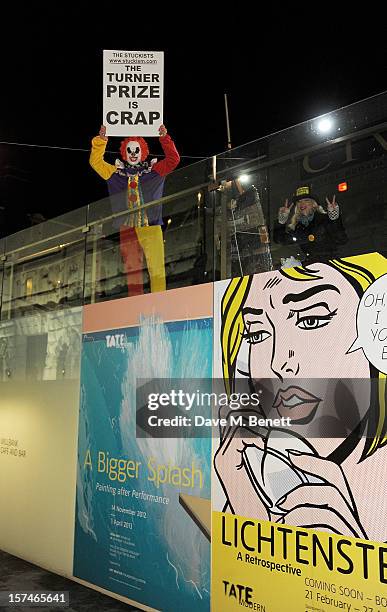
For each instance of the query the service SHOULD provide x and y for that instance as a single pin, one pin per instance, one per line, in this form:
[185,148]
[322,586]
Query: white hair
[296,215]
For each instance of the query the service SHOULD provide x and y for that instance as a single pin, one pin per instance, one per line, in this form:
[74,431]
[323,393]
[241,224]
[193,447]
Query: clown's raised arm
[97,162]
[106,170]
[172,157]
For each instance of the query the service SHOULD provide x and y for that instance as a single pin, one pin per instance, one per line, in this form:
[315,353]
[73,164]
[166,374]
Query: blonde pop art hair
[360,271]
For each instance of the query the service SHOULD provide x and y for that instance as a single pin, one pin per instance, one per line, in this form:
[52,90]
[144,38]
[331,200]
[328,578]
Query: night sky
[278,69]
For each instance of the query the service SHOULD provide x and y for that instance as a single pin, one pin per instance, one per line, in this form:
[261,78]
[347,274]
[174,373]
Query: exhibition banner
[299,512]
[133,83]
[142,503]
[270,567]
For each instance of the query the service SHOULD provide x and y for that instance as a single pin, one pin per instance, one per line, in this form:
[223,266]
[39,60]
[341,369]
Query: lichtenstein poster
[299,492]
[136,531]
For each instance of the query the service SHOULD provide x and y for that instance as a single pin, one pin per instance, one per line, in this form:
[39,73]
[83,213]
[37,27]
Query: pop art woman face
[298,325]
[297,336]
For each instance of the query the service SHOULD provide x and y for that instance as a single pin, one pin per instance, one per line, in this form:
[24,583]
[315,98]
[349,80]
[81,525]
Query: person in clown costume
[132,182]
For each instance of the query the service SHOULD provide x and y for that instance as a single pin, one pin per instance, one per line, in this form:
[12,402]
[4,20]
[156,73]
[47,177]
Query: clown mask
[133,153]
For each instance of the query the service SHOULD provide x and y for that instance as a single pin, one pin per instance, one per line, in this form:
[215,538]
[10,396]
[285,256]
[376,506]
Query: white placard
[133,92]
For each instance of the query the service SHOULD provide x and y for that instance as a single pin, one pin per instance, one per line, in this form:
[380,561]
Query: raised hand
[283,212]
[162,131]
[241,496]
[328,506]
[285,208]
[102,132]
[333,208]
[331,205]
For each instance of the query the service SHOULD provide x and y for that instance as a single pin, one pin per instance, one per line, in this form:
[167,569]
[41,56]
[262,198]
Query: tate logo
[240,592]
[115,341]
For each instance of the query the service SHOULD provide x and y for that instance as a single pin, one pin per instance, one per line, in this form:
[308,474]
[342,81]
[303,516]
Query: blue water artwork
[132,536]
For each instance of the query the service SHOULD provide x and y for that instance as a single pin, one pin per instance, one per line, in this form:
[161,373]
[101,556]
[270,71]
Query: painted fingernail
[295,452]
[281,501]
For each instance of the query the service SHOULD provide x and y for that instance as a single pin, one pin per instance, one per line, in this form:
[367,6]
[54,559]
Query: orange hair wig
[143,144]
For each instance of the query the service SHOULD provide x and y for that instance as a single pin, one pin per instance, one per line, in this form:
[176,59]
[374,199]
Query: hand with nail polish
[328,506]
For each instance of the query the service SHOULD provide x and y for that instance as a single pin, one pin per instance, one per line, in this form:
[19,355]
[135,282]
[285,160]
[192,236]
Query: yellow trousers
[135,242]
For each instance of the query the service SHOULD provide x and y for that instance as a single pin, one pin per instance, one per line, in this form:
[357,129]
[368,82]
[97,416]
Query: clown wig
[143,144]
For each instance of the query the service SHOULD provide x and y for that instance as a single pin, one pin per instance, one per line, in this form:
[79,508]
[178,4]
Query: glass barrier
[41,346]
[159,245]
[2,259]
[44,266]
[266,204]
[3,343]
[123,259]
[338,159]
[42,294]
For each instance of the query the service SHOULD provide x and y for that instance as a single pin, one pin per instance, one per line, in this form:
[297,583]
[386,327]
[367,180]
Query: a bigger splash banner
[134,533]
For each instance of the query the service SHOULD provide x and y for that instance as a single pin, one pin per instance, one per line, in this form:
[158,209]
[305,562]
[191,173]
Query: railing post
[9,313]
[93,265]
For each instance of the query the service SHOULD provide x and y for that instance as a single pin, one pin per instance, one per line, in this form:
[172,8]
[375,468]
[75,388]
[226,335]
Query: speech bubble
[371,324]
